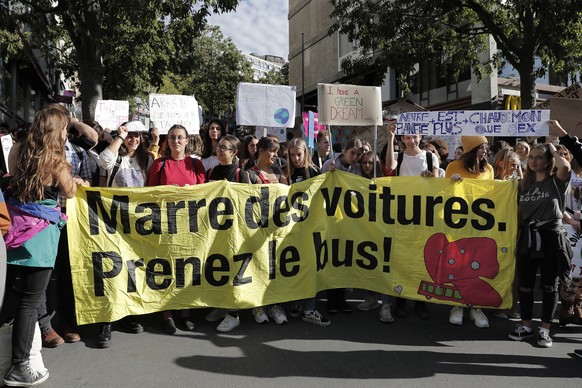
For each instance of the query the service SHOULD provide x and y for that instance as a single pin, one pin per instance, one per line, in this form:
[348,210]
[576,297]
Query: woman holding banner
[267,171]
[177,169]
[543,243]
[472,164]
[41,175]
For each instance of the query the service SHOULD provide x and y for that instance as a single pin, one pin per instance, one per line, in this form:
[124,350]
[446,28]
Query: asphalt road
[357,350]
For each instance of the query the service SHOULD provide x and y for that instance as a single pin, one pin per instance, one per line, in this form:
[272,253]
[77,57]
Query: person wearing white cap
[472,164]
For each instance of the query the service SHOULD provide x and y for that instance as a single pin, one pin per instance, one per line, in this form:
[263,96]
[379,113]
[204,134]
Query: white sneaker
[456,316]
[260,315]
[385,314]
[479,317]
[228,323]
[216,315]
[369,303]
[316,318]
[544,339]
[277,314]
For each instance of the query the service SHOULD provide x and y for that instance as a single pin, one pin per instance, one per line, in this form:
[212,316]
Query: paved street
[356,350]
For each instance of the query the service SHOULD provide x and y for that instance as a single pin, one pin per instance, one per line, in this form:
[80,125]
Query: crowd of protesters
[57,153]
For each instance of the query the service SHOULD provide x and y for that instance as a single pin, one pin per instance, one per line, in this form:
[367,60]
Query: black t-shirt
[300,174]
[229,173]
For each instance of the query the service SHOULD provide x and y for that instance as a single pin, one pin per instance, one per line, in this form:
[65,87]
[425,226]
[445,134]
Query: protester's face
[521,151]
[482,151]
[214,131]
[537,160]
[353,155]
[268,156]
[132,141]
[512,166]
[225,151]
[177,140]
[411,141]
[297,156]
[366,148]
[252,147]
[458,153]
[323,145]
[367,164]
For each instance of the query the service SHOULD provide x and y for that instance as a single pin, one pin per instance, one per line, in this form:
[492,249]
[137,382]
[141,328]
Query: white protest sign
[7,143]
[349,105]
[281,133]
[516,123]
[575,240]
[170,109]
[265,105]
[112,113]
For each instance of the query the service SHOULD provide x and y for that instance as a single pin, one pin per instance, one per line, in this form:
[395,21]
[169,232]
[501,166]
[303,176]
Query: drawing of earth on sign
[281,116]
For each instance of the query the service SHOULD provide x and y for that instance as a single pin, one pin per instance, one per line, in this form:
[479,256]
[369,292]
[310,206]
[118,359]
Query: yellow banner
[230,245]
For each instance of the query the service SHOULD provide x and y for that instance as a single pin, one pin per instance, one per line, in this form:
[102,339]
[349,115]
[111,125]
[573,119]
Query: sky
[257,26]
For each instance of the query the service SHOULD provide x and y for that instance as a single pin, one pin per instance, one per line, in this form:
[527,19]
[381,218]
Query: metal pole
[302,73]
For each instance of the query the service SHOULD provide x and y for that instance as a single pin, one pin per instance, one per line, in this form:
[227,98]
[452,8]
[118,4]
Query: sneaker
[130,326]
[456,316]
[385,314]
[22,375]
[578,352]
[216,315]
[316,318]
[169,326]
[188,324]
[228,323]
[544,339]
[520,333]
[500,314]
[104,337]
[369,303]
[260,315]
[277,314]
[296,309]
[478,316]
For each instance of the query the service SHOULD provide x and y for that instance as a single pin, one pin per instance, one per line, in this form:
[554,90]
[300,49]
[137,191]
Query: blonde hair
[299,143]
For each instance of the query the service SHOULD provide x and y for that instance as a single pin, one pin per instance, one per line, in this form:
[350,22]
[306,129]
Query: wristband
[122,138]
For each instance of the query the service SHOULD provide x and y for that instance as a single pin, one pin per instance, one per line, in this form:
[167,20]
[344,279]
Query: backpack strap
[399,162]
[237,176]
[114,171]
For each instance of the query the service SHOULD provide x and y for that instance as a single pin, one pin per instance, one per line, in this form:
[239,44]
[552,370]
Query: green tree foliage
[117,48]
[452,33]
[211,72]
[276,76]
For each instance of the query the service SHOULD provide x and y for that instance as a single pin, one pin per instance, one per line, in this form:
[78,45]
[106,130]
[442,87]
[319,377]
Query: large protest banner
[229,245]
[111,113]
[170,109]
[340,104]
[475,123]
[265,105]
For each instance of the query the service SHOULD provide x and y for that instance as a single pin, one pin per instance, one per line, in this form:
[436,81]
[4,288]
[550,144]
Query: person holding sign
[180,170]
[413,161]
[472,164]
[543,243]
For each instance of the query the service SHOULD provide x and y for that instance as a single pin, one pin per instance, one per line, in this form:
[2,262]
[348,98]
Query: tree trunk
[527,84]
[91,79]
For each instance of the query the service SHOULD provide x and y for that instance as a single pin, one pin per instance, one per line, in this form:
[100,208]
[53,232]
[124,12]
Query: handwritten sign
[170,109]
[7,143]
[265,105]
[516,123]
[572,91]
[316,126]
[349,105]
[111,113]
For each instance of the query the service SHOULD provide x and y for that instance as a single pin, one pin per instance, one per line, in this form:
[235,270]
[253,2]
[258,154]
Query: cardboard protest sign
[516,123]
[349,105]
[573,91]
[112,113]
[170,109]
[265,105]
[568,111]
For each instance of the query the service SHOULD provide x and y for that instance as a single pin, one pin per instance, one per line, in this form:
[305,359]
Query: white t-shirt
[129,173]
[414,165]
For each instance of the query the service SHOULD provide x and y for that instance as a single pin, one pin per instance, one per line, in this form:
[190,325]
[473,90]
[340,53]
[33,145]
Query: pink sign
[316,126]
